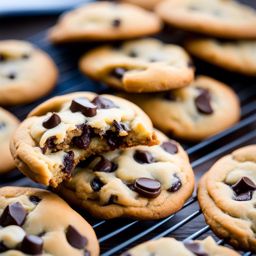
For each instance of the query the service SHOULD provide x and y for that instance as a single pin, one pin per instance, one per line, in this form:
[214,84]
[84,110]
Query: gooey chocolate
[203,102]
[146,187]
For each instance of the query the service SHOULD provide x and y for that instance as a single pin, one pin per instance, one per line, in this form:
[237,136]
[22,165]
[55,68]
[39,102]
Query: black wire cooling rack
[116,236]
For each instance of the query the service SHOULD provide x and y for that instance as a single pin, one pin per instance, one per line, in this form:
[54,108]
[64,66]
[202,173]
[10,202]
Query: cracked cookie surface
[145,65]
[26,73]
[226,195]
[227,19]
[238,56]
[163,247]
[195,112]
[67,129]
[140,182]
[105,21]
[38,222]
[8,123]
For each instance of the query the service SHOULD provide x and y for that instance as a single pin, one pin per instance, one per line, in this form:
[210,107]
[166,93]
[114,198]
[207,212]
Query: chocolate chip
[203,102]
[75,239]
[2,58]
[13,214]
[176,185]
[52,121]
[87,253]
[169,96]
[116,23]
[244,189]
[118,73]
[96,184]
[147,187]
[25,56]
[35,199]
[50,143]
[133,54]
[104,165]
[83,141]
[113,199]
[103,103]
[84,106]
[143,157]
[3,248]
[32,245]
[12,75]
[2,125]
[68,162]
[195,248]
[169,147]
[113,140]
[119,126]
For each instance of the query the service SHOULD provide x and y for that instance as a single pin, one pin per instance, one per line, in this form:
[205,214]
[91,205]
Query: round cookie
[105,21]
[195,112]
[140,182]
[37,222]
[66,129]
[227,19]
[238,56]
[145,65]
[226,194]
[26,73]
[147,4]
[8,123]
[163,247]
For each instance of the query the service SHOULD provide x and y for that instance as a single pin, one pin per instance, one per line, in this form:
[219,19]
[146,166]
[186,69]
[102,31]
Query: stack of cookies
[102,152]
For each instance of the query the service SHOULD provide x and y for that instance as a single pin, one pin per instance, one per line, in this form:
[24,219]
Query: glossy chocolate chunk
[12,75]
[103,103]
[113,140]
[3,248]
[118,73]
[116,23]
[203,102]
[13,214]
[68,162]
[176,185]
[146,187]
[96,184]
[169,147]
[195,248]
[244,189]
[119,126]
[35,199]
[143,157]
[104,165]
[52,121]
[32,245]
[75,239]
[84,106]
[83,141]
[49,144]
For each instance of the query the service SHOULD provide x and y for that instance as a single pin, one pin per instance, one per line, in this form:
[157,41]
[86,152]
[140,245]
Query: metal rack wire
[116,236]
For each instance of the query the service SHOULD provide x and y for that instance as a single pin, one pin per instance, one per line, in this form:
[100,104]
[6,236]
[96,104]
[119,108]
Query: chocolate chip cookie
[37,222]
[170,246]
[140,182]
[8,123]
[145,65]
[26,73]
[195,112]
[105,21]
[227,197]
[227,19]
[67,129]
[238,56]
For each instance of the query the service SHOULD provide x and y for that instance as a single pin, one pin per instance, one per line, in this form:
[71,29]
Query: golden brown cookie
[226,194]
[145,65]
[67,129]
[26,73]
[104,21]
[37,222]
[195,112]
